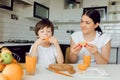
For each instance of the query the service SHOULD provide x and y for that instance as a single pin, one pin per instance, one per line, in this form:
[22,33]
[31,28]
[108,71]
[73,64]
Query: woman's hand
[92,49]
[76,49]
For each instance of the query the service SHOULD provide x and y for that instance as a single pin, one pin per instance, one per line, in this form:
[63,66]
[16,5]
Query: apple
[6,58]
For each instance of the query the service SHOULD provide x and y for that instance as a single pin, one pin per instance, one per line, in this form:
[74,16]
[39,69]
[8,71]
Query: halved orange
[82,66]
[46,39]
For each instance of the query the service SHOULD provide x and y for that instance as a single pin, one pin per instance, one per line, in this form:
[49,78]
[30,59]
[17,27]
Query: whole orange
[3,77]
[13,71]
[2,66]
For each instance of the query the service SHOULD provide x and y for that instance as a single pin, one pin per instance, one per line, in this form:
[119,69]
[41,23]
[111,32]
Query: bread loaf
[62,67]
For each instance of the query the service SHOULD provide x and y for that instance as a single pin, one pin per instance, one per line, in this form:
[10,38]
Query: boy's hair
[42,24]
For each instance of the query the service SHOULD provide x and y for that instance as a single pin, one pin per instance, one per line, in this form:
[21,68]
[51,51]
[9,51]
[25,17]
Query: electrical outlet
[31,28]
[14,17]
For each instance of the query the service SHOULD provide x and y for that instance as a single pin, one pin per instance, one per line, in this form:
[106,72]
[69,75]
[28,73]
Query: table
[42,74]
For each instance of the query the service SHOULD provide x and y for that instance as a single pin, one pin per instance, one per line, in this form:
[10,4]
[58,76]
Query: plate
[92,72]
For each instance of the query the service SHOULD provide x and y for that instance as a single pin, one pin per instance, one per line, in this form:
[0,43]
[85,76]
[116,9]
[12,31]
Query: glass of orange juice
[30,61]
[87,59]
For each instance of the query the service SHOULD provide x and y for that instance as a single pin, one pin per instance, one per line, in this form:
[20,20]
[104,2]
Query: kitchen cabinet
[36,11]
[56,10]
[73,4]
[119,55]
[114,55]
[114,10]
[72,15]
[43,2]
[20,50]
[26,2]
[94,3]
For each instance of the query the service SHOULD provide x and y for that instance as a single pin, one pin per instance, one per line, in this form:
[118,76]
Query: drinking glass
[30,61]
[87,59]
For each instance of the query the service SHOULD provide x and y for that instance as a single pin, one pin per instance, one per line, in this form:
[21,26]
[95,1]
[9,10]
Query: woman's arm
[102,58]
[74,51]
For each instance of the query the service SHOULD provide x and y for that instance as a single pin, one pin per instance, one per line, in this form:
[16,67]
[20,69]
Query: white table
[112,69]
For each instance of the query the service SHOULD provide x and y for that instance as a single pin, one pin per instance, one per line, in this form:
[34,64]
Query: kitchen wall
[16,29]
[20,29]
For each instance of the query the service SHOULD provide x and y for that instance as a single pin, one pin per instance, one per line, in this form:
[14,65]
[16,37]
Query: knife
[59,72]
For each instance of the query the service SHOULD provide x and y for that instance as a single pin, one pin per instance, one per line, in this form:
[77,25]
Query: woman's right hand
[76,49]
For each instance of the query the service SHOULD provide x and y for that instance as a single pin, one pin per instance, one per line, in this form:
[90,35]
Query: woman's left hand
[92,48]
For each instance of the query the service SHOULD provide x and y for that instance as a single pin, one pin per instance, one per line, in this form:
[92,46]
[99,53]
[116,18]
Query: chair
[67,52]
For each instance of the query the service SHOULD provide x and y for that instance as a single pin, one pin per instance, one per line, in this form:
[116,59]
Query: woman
[46,47]
[98,43]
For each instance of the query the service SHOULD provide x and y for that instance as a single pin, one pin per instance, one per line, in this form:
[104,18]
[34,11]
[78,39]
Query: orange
[14,60]
[3,77]
[2,66]
[83,44]
[82,67]
[13,71]
[31,64]
[46,39]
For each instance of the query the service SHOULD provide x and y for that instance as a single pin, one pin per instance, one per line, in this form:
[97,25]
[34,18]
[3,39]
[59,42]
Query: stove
[19,41]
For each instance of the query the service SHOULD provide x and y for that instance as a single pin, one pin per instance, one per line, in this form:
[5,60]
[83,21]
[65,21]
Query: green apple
[6,58]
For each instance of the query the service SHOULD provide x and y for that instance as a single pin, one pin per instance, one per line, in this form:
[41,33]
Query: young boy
[46,47]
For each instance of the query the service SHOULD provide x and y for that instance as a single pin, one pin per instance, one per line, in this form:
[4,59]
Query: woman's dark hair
[42,24]
[95,16]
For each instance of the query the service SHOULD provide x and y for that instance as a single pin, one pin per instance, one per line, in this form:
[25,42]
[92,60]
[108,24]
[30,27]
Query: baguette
[62,67]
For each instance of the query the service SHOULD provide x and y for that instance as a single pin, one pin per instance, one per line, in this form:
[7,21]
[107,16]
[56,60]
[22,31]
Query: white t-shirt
[46,55]
[99,42]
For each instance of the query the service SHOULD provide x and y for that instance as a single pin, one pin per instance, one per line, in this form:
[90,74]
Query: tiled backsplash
[15,29]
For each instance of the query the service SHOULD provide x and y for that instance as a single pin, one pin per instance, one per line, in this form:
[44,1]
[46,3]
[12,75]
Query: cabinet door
[94,3]
[119,56]
[56,10]
[20,50]
[72,15]
[113,56]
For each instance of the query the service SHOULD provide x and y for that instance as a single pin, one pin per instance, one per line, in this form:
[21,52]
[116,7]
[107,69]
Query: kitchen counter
[95,72]
[15,44]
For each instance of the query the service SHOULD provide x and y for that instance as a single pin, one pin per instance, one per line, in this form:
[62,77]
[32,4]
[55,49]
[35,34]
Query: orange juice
[87,59]
[31,64]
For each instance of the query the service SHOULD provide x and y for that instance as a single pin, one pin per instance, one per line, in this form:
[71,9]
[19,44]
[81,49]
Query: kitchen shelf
[113,12]
[66,22]
[110,2]
[26,2]
[118,21]
[73,4]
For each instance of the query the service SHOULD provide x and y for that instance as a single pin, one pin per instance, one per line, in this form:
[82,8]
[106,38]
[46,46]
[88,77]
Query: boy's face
[45,33]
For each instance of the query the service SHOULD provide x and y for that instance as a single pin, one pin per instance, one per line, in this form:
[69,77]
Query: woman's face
[87,25]
[45,33]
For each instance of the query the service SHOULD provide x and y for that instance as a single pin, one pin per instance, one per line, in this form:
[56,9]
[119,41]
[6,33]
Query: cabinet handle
[16,48]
